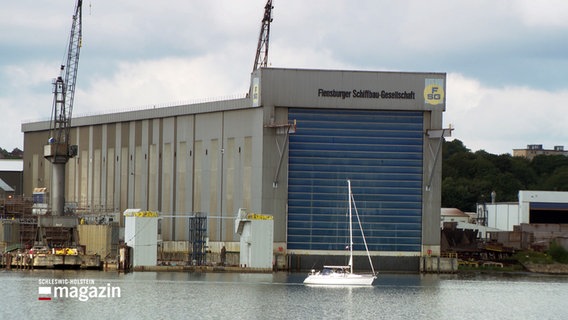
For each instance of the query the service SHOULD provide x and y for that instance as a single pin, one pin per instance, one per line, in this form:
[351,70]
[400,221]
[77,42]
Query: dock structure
[437,264]
[44,241]
[198,239]
[50,260]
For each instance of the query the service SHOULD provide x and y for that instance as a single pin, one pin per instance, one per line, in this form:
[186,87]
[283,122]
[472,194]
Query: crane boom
[64,85]
[261,59]
[73,61]
[58,150]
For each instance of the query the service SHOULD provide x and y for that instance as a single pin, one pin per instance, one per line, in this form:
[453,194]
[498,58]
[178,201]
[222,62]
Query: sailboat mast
[350,230]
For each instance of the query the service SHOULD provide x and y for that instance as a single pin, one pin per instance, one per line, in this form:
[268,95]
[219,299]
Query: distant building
[534,150]
[5,190]
[534,207]
[454,215]
[501,216]
[11,174]
[463,221]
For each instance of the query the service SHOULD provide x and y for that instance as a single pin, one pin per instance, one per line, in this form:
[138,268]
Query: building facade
[534,150]
[286,150]
[534,207]
[11,173]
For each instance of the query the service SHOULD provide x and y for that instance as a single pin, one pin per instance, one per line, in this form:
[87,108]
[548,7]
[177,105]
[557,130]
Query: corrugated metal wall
[381,153]
[97,239]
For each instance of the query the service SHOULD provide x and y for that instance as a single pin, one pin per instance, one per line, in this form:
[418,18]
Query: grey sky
[506,61]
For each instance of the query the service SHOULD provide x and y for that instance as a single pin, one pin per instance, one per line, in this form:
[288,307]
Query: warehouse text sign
[367,94]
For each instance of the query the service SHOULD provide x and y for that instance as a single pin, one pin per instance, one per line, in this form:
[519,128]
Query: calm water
[149,295]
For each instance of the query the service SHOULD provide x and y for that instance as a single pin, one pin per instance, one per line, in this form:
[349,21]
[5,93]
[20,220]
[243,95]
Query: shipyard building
[285,149]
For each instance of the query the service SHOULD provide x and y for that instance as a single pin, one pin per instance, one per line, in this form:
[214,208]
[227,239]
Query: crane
[261,59]
[59,150]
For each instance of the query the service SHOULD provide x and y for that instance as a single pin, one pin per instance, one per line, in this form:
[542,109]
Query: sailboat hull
[348,279]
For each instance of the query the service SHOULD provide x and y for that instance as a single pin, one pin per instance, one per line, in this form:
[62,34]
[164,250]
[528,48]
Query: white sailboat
[343,275]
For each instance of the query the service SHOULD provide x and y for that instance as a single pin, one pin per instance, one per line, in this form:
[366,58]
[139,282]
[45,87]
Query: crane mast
[58,150]
[261,59]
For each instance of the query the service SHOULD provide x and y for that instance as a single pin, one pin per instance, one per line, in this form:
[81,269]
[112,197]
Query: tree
[557,181]
[15,154]
[469,178]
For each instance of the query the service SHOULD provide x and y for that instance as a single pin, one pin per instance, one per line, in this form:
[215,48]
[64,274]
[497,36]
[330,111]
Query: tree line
[15,154]
[469,177]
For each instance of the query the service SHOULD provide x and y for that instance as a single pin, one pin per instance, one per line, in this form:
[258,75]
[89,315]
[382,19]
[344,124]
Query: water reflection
[180,295]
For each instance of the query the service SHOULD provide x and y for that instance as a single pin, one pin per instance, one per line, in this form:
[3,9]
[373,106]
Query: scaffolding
[198,238]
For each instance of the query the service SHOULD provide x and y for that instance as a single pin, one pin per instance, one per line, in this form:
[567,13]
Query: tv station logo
[78,289]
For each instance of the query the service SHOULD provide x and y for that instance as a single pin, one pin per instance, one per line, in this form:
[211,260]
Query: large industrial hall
[301,149]
[286,149]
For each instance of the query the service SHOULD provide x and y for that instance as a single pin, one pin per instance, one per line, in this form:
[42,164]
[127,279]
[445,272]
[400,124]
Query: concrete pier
[203,269]
[50,261]
[430,264]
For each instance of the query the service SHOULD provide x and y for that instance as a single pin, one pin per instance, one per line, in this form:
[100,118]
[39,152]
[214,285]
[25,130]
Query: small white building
[257,237]
[454,215]
[141,233]
[501,216]
[534,207]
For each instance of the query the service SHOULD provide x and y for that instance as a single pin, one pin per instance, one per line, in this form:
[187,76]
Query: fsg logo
[434,91]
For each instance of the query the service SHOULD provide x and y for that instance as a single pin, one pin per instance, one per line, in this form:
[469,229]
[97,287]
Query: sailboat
[343,275]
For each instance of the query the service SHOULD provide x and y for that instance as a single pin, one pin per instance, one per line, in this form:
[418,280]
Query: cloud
[25,96]
[28,19]
[547,13]
[168,80]
[505,60]
[499,120]
[33,74]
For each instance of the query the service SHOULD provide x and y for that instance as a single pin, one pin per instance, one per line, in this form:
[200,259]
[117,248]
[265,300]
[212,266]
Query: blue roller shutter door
[381,153]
